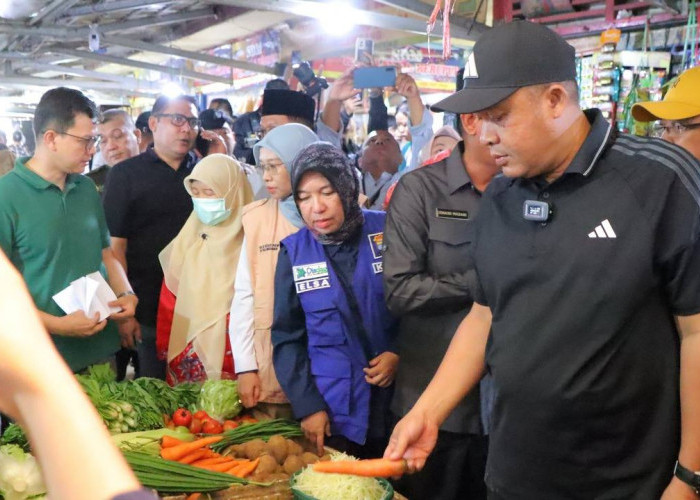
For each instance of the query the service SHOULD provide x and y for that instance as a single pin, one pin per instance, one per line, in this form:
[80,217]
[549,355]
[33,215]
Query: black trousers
[454,470]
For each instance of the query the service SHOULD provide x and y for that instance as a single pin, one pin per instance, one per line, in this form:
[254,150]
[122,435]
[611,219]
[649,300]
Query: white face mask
[211,211]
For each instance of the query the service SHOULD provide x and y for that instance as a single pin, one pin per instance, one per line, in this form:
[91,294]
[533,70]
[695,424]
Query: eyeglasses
[272,168]
[90,142]
[672,128]
[179,120]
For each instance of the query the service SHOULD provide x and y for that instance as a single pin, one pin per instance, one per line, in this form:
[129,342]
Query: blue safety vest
[337,356]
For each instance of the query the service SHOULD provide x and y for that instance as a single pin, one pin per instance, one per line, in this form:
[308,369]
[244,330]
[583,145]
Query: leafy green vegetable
[219,398]
[134,404]
[20,476]
[15,435]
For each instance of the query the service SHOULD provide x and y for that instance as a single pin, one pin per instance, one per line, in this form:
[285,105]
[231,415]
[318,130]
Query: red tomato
[195,426]
[182,417]
[230,425]
[200,414]
[212,427]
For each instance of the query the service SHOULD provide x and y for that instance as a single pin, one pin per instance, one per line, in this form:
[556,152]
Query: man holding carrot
[587,303]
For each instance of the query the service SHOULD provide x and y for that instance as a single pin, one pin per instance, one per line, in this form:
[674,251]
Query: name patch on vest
[376,243]
[269,247]
[377,267]
[310,277]
[444,213]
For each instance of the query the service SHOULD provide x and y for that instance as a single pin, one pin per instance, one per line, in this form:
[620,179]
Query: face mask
[211,211]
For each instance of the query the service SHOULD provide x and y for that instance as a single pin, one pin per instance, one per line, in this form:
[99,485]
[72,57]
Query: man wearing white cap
[678,113]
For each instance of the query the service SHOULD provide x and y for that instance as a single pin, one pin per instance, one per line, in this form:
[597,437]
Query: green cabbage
[20,476]
[219,398]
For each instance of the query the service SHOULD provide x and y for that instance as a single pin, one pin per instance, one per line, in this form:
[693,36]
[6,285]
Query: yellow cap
[680,102]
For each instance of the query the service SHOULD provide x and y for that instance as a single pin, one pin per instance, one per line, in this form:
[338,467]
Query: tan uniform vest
[265,227]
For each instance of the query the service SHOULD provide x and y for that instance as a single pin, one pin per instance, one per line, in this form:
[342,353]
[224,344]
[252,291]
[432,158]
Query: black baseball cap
[509,57]
[142,121]
[214,118]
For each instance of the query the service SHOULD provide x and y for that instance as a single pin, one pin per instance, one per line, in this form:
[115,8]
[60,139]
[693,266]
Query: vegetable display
[325,486]
[219,398]
[20,476]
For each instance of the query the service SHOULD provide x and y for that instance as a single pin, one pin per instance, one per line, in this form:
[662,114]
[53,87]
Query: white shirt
[241,325]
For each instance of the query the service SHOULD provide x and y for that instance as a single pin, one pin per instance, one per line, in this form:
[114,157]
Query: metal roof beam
[186,54]
[13,81]
[79,33]
[113,6]
[320,10]
[104,58]
[69,70]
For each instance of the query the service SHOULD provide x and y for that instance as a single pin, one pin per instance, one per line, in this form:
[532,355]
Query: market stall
[194,439]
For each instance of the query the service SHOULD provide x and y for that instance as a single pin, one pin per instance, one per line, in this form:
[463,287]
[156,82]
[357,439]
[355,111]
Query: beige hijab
[199,266]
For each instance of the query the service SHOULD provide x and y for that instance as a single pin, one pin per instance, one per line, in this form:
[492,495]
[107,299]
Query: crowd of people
[512,307]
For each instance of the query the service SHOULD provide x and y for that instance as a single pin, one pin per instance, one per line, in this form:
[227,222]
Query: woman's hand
[316,426]
[382,369]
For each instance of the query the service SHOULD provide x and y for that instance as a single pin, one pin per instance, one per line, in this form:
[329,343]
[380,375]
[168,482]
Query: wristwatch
[689,477]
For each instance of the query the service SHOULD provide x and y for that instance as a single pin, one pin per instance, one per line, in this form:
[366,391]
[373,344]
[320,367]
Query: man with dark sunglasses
[53,229]
[146,206]
[678,114]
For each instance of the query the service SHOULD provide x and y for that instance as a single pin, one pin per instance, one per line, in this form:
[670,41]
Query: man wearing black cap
[247,127]
[587,256]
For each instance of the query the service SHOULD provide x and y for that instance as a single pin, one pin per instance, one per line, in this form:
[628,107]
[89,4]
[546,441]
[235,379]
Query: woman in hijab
[199,271]
[332,334]
[266,223]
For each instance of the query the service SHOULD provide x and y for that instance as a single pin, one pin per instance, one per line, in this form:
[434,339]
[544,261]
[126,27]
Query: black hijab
[331,162]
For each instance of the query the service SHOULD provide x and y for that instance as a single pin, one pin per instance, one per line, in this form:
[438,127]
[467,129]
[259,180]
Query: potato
[277,446]
[267,465]
[253,449]
[293,464]
[294,448]
[309,458]
[325,458]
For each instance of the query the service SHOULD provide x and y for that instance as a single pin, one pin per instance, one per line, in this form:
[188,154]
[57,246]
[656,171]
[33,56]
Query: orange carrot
[193,496]
[213,460]
[180,450]
[245,469]
[378,467]
[169,441]
[214,467]
[195,455]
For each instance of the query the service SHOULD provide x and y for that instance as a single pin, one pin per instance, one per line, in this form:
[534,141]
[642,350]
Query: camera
[312,84]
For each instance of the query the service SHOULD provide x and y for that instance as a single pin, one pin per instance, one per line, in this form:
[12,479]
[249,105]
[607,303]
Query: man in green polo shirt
[53,229]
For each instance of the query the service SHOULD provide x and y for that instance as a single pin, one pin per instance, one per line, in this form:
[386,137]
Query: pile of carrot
[198,454]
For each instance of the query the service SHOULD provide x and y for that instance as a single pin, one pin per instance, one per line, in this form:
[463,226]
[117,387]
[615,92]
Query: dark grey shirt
[428,276]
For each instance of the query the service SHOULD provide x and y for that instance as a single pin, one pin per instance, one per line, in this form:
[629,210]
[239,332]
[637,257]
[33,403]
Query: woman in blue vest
[333,337]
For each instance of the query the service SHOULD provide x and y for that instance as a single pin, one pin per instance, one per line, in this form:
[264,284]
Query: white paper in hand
[90,294]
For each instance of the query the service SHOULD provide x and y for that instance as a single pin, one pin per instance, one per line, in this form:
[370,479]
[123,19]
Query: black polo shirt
[583,348]
[146,202]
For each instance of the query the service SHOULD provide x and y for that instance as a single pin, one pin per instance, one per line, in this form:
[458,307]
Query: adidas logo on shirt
[603,230]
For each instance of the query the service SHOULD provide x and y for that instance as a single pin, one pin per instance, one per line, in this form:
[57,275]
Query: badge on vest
[310,277]
[444,213]
[376,243]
